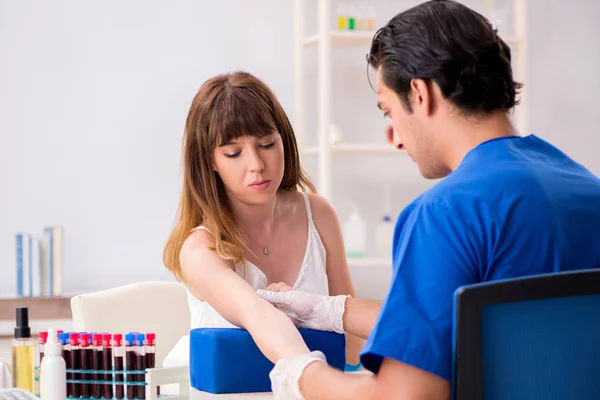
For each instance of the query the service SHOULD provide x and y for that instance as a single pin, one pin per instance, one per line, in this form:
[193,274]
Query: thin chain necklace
[265,250]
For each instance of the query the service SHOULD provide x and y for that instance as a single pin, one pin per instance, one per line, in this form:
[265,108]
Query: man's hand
[287,372]
[310,310]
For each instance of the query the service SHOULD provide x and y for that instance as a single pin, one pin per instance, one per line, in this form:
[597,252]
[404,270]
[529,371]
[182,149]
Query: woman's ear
[214,164]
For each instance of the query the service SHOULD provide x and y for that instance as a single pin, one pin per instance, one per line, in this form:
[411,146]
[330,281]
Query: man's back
[514,207]
[530,207]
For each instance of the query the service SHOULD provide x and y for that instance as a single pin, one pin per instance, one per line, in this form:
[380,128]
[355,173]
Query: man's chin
[433,173]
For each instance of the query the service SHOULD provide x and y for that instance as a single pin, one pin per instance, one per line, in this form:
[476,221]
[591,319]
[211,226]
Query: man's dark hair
[448,43]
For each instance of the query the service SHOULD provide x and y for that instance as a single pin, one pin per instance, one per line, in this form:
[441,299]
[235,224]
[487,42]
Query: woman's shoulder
[198,249]
[322,210]
[317,205]
[325,221]
[318,209]
[197,242]
[199,235]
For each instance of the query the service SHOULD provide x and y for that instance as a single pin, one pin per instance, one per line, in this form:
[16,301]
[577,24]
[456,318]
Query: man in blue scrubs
[509,206]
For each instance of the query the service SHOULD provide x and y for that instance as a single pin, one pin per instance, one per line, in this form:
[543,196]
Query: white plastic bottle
[384,237]
[355,236]
[53,374]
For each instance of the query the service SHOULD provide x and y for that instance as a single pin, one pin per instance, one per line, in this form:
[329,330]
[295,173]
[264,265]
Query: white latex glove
[310,310]
[287,372]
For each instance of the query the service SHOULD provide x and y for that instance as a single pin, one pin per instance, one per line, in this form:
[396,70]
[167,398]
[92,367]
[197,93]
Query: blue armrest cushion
[226,360]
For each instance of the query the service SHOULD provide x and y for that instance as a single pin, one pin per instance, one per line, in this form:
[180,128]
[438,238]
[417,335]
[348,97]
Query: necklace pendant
[266,251]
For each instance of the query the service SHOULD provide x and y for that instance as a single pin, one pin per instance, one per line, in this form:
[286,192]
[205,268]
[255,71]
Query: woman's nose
[255,161]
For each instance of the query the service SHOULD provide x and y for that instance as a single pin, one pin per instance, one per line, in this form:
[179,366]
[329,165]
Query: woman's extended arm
[209,277]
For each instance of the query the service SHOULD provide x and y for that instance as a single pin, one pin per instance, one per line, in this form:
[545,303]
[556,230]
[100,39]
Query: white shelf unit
[325,39]
[343,38]
[354,148]
[370,262]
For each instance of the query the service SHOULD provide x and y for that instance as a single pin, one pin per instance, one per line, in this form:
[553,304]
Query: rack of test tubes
[115,366]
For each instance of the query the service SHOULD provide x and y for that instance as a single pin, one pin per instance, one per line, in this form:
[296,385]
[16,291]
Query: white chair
[159,307]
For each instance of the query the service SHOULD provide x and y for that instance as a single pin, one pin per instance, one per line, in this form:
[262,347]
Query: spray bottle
[22,352]
[53,378]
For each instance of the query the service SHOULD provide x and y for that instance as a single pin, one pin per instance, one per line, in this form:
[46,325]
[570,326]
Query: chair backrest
[159,307]
[528,338]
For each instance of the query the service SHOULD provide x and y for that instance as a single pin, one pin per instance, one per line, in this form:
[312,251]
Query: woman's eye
[268,145]
[232,155]
[387,118]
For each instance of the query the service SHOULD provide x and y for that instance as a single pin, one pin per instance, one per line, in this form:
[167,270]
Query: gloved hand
[287,372]
[310,310]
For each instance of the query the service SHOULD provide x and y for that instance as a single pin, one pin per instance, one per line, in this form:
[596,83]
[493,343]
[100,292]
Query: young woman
[245,221]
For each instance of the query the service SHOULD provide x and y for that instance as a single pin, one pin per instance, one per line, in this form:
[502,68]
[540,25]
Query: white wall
[93,100]
[94,95]
[564,79]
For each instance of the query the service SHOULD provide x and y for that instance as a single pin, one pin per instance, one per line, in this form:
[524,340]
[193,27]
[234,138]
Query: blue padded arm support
[226,360]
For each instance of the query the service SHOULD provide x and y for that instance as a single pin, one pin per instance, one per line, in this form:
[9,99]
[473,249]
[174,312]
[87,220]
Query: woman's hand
[279,287]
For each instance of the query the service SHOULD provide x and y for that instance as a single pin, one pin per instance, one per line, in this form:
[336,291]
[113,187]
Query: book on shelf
[23,268]
[39,263]
[55,258]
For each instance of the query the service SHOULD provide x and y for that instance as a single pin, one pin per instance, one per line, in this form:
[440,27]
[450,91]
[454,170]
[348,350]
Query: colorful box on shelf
[226,360]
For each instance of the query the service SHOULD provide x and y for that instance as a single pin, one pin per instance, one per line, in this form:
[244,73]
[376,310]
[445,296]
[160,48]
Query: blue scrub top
[515,206]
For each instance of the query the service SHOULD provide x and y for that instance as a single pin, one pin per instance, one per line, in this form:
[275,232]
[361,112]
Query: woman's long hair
[226,107]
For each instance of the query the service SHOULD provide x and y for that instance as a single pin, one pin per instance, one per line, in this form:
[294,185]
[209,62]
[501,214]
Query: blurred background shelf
[356,148]
[323,13]
[370,262]
[343,38]
[39,307]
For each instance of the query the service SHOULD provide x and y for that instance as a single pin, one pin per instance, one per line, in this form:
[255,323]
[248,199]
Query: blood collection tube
[42,337]
[119,353]
[107,388]
[97,365]
[86,354]
[151,354]
[75,363]
[140,363]
[66,353]
[130,366]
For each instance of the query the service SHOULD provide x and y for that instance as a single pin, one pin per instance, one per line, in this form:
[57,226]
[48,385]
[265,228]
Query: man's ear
[421,96]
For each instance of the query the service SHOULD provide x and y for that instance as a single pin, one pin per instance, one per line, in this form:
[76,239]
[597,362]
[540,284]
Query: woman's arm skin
[209,277]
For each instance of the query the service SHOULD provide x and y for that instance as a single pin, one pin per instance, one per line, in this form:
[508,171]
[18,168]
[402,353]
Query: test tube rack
[153,378]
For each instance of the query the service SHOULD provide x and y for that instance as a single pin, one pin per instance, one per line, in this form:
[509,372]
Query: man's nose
[393,138]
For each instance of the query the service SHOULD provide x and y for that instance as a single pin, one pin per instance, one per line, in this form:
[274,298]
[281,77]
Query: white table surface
[198,395]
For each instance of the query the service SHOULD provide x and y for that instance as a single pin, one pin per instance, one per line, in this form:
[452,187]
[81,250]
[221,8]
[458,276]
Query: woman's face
[251,167]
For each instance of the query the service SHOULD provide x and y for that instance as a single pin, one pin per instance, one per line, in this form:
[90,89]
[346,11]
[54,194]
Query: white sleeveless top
[311,278]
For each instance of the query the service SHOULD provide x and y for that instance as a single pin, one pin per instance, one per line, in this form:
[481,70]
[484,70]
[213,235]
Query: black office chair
[528,338]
